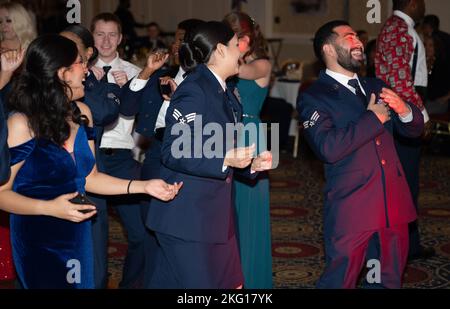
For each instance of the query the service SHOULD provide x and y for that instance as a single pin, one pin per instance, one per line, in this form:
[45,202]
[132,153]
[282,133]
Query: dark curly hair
[243,25]
[40,95]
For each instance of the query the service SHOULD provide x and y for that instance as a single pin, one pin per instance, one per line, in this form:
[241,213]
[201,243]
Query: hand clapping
[240,157]
[263,162]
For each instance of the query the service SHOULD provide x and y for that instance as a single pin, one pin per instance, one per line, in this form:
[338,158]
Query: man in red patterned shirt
[400,61]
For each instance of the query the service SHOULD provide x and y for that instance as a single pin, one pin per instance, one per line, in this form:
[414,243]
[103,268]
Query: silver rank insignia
[312,122]
[183,119]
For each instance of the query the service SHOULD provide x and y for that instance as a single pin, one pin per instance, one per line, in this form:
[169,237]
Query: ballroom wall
[276,17]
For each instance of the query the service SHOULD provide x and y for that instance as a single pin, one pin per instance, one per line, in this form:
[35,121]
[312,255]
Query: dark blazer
[202,211]
[145,103]
[4,150]
[365,186]
[103,100]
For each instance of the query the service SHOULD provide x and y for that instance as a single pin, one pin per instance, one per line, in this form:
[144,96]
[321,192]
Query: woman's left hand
[161,190]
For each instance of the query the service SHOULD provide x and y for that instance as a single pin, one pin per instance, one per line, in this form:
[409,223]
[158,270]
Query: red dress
[6,261]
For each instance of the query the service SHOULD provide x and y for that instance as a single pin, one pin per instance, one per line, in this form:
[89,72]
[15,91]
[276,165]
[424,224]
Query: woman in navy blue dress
[52,158]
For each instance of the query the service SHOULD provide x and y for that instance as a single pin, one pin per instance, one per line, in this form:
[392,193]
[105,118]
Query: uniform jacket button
[378,142]
[383,162]
[228,180]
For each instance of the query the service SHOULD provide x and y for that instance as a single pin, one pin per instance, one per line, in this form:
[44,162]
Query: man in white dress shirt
[116,156]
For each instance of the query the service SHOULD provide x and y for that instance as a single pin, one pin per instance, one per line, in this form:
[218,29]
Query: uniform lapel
[338,90]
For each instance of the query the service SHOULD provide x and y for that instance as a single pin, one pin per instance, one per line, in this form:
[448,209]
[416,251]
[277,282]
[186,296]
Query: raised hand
[380,110]
[240,157]
[156,60]
[161,190]
[395,102]
[120,77]
[263,162]
[11,60]
[98,72]
[62,208]
[167,80]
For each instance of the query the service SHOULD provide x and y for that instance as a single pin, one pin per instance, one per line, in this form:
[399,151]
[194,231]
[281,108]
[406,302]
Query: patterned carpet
[296,212]
[296,209]
[297,227]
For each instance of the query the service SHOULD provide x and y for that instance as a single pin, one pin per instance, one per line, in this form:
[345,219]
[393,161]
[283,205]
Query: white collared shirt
[421,78]
[220,80]
[224,87]
[343,80]
[119,133]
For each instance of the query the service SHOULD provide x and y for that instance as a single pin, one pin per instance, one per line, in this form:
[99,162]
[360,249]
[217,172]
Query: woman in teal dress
[252,201]
[52,158]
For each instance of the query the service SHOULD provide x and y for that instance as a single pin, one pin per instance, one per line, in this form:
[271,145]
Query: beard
[346,60]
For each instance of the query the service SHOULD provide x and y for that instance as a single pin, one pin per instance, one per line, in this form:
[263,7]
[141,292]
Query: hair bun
[187,58]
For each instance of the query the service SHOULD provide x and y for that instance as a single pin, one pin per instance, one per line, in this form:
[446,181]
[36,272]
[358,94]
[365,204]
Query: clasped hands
[391,102]
[242,157]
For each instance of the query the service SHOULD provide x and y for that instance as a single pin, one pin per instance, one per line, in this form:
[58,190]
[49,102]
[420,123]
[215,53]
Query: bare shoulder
[19,131]
[263,64]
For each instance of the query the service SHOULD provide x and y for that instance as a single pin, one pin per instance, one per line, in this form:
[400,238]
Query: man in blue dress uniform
[349,122]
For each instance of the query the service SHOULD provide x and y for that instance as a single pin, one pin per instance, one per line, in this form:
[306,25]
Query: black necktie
[355,84]
[106,69]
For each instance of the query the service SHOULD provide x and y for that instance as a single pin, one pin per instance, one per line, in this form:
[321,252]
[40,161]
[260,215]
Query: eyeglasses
[81,61]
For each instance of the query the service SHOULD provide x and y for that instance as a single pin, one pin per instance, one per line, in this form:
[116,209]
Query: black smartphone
[82,199]
[165,89]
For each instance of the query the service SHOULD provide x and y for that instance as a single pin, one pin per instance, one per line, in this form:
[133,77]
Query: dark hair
[106,17]
[439,49]
[201,42]
[86,37]
[326,35]
[189,24]
[361,32]
[153,24]
[39,93]
[244,25]
[400,4]
[433,21]
[371,45]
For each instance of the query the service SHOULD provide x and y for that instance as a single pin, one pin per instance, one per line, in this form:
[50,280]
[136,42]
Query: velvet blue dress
[51,253]
[252,200]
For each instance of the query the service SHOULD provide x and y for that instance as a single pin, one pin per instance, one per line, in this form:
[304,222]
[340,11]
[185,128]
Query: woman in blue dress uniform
[252,201]
[52,156]
[197,233]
